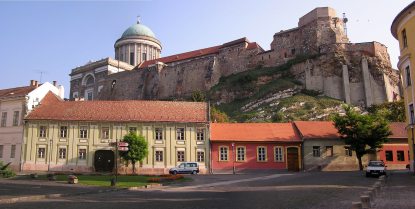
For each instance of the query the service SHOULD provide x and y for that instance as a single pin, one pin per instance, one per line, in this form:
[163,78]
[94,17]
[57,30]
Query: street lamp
[233,159]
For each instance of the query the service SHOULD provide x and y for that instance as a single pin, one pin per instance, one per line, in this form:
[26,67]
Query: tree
[218,116]
[137,149]
[391,111]
[363,133]
[198,96]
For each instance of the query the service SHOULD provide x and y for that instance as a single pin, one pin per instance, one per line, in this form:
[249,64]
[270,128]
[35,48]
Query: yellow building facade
[68,140]
[403,29]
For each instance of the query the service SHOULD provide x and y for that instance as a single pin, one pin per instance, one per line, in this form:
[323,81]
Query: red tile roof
[199,53]
[326,129]
[317,129]
[52,108]
[16,92]
[398,130]
[253,132]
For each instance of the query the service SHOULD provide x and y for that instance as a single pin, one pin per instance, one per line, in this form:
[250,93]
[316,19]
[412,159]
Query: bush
[164,178]
[5,171]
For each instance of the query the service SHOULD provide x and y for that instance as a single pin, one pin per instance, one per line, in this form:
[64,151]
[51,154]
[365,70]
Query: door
[292,159]
[104,160]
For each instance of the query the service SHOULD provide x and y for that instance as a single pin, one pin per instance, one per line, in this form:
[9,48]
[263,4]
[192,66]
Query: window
[13,151]
[389,155]
[408,76]
[131,58]
[159,156]
[3,119]
[42,131]
[82,154]
[404,39]
[411,113]
[16,118]
[261,154]
[316,151]
[180,156]
[89,94]
[1,151]
[329,151]
[64,131]
[223,153]
[62,153]
[279,154]
[400,155]
[41,152]
[83,132]
[348,152]
[105,132]
[144,57]
[240,153]
[132,130]
[200,134]
[180,134]
[200,156]
[159,133]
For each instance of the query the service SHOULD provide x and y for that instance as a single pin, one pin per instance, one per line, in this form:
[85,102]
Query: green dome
[138,30]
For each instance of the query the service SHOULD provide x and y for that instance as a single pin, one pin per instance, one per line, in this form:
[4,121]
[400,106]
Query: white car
[375,168]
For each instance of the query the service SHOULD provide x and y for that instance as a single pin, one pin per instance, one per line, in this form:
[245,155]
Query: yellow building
[76,135]
[403,29]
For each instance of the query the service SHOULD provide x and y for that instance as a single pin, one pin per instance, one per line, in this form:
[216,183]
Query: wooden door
[292,159]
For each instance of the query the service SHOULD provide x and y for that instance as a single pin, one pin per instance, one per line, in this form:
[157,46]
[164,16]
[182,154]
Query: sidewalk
[16,190]
[398,193]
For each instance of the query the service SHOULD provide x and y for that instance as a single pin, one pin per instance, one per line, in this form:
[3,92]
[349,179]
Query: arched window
[88,80]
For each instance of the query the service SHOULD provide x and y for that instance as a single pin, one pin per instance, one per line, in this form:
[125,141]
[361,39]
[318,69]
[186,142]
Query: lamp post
[233,159]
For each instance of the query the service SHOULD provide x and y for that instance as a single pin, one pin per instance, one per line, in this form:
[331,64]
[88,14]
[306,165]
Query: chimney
[55,83]
[32,82]
[36,84]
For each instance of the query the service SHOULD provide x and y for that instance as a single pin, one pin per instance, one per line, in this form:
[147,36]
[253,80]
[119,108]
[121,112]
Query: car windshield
[376,164]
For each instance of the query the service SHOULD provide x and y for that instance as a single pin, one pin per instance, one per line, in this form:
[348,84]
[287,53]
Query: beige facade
[330,155]
[44,151]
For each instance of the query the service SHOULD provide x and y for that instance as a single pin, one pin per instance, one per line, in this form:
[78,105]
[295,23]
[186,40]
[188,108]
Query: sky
[44,40]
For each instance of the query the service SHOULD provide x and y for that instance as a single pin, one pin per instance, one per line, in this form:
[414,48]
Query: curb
[39,197]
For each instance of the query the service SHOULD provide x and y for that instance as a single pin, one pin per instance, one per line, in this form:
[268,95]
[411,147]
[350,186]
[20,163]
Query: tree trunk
[359,158]
[133,167]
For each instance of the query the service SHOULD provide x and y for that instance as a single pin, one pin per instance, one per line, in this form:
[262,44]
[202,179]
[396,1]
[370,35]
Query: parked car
[375,168]
[186,167]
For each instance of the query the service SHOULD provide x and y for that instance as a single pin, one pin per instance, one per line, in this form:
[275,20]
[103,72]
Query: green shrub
[5,171]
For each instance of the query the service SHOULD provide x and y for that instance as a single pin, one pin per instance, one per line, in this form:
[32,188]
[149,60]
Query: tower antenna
[345,20]
[138,19]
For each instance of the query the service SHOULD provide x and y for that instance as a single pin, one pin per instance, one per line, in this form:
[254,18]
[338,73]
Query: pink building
[249,146]
[395,153]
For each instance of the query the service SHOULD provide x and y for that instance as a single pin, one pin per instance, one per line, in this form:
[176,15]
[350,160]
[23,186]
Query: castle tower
[137,44]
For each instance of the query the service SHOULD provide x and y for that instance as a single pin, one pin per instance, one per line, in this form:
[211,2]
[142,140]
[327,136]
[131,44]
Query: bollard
[365,202]
[368,193]
[356,205]
[373,191]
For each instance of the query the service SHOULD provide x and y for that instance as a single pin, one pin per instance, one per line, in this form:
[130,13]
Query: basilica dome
[138,30]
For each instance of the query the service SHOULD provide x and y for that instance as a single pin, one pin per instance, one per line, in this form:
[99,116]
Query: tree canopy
[137,149]
[391,111]
[362,133]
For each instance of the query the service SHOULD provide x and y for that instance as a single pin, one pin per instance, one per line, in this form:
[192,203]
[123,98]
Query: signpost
[119,146]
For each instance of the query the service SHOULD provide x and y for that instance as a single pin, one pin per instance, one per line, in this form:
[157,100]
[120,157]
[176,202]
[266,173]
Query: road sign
[122,144]
[122,148]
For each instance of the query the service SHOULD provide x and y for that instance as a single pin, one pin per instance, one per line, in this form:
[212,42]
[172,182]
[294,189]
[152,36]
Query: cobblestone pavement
[285,190]
[398,193]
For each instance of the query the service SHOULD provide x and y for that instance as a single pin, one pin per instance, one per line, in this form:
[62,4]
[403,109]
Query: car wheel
[194,172]
[174,172]
[367,175]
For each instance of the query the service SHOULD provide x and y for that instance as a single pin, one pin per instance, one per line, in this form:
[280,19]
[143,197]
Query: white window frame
[63,132]
[200,134]
[223,153]
[200,158]
[13,151]
[240,156]
[279,154]
[62,153]
[158,133]
[105,132]
[16,118]
[316,151]
[43,132]
[261,155]
[83,132]
[180,134]
[39,155]
[182,156]
[82,156]
[159,156]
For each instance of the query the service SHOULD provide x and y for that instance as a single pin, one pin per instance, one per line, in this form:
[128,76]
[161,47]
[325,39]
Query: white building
[15,103]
